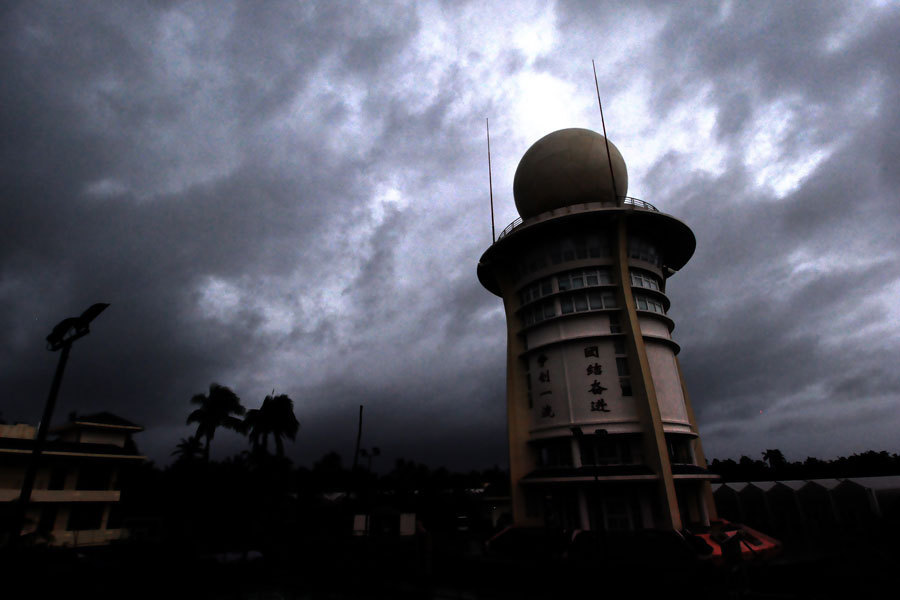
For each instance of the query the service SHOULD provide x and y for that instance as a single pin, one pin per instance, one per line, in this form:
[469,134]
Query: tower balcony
[627,202]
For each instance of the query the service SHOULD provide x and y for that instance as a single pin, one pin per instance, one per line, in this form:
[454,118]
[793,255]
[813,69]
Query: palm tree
[187,449]
[216,410]
[275,417]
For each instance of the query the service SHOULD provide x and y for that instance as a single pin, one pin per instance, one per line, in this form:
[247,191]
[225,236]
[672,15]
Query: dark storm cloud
[149,158]
[292,195]
[782,313]
[757,331]
[786,330]
[62,249]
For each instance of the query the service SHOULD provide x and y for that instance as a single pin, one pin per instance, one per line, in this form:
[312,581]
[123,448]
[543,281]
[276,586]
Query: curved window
[605,450]
[539,312]
[641,250]
[580,278]
[645,303]
[536,290]
[644,279]
[573,280]
[555,452]
[580,302]
[579,247]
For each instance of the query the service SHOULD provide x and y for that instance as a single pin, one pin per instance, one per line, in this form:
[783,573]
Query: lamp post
[61,338]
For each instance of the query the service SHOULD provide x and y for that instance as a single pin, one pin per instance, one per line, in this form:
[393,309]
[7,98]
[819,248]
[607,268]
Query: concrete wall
[667,383]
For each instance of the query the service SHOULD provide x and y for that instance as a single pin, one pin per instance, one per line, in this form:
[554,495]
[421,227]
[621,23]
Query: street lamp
[61,338]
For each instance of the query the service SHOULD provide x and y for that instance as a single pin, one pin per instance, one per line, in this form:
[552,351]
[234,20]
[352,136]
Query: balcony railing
[626,201]
[41,495]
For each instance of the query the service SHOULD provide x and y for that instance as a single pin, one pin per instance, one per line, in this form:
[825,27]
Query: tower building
[601,431]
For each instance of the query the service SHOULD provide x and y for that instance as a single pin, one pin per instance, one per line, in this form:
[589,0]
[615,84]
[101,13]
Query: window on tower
[641,250]
[580,278]
[584,301]
[644,279]
[539,312]
[624,374]
[555,453]
[536,291]
[679,447]
[581,301]
[615,324]
[605,449]
[646,303]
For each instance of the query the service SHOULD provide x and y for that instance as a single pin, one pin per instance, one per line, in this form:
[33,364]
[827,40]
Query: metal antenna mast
[603,122]
[490,179]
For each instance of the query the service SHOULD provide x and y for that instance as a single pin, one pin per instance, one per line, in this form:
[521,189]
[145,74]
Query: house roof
[104,420]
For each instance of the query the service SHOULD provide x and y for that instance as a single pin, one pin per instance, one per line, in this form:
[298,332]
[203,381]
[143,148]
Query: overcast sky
[294,196]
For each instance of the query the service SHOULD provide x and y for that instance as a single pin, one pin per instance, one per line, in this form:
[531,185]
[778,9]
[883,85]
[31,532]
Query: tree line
[774,466]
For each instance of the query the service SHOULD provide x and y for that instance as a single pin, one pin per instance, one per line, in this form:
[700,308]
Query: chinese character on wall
[593,370]
[599,406]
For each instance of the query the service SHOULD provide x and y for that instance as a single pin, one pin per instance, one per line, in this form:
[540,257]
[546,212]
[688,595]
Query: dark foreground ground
[863,565]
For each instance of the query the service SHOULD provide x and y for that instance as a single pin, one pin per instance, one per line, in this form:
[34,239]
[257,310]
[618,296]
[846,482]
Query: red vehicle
[732,543]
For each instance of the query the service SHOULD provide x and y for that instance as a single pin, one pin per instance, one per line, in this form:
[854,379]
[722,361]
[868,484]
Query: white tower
[601,430]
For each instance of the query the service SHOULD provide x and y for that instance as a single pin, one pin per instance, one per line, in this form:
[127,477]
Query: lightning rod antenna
[606,139]
[490,179]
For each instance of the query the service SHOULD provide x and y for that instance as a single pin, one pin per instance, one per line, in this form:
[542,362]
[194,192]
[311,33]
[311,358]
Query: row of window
[593,450]
[572,280]
[582,302]
[578,247]
[581,248]
[606,450]
[570,303]
[582,278]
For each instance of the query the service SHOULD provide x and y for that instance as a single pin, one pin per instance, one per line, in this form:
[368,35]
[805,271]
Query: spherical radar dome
[566,167]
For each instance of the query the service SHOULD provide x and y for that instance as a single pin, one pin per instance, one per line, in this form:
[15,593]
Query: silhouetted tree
[188,449]
[276,418]
[217,409]
[775,459]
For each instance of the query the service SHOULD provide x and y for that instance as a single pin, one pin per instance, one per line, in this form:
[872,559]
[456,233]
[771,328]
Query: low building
[809,507]
[75,496]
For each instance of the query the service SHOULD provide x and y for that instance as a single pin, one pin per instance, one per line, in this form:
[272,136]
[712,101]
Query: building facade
[602,435]
[75,496]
